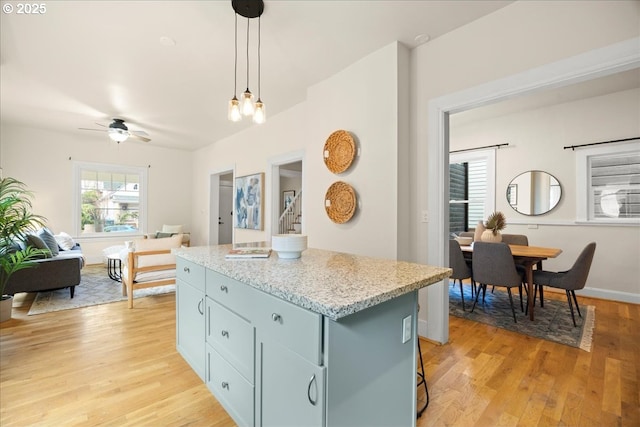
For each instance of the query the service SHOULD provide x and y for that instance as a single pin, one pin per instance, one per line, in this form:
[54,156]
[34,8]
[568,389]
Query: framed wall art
[249,202]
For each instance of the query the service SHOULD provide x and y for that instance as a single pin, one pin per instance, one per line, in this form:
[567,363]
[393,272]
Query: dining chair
[571,280]
[515,239]
[522,240]
[460,268]
[493,265]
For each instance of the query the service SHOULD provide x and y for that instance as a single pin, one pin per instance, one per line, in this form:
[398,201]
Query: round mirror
[534,193]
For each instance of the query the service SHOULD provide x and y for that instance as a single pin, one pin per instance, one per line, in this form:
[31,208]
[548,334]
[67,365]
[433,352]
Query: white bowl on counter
[289,246]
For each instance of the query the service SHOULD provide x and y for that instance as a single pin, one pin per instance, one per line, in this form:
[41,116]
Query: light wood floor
[107,365]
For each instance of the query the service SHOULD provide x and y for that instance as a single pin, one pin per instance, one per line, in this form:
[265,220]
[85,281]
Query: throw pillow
[65,241]
[172,228]
[160,235]
[49,240]
[37,242]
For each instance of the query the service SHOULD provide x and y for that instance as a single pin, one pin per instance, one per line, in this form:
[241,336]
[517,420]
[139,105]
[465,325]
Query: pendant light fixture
[246,106]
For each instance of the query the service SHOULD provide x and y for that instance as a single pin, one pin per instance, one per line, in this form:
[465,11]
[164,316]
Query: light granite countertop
[333,284]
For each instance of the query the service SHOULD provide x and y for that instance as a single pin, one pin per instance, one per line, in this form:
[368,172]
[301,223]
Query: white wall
[40,159]
[536,139]
[330,106]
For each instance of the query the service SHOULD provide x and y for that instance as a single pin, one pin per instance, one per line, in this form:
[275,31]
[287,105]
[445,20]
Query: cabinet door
[190,326]
[291,389]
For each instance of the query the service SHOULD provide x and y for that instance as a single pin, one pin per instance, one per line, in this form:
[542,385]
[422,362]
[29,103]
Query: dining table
[527,256]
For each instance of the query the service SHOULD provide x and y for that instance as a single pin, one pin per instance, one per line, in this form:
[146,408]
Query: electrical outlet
[425,216]
[406,329]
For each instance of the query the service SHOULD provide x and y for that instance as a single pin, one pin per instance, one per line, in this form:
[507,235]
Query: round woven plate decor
[339,151]
[340,202]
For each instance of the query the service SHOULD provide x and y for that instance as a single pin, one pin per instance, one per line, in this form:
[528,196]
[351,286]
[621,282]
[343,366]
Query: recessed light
[167,41]
[422,38]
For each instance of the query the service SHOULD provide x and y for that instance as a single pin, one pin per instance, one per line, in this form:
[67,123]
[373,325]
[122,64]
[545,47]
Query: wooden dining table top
[526,251]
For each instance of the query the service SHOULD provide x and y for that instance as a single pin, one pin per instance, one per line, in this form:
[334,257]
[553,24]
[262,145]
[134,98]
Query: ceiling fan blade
[97,130]
[100,124]
[141,135]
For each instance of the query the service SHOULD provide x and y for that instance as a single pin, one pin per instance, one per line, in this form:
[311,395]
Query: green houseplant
[16,221]
[494,224]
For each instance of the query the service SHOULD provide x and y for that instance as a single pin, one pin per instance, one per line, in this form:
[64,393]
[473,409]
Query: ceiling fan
[119,132]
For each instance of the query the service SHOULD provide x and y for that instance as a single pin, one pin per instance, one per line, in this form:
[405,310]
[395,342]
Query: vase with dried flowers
[494,224]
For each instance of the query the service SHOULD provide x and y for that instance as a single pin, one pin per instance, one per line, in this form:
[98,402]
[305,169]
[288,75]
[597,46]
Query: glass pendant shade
[118,135]
[260,114]
[248,106]
[234,110]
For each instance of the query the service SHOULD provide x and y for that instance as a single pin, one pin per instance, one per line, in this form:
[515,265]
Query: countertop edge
[333,312]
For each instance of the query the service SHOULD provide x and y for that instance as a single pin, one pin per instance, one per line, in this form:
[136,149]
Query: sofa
[61,270]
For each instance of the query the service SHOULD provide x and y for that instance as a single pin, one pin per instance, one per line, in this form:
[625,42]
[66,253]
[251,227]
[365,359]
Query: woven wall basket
[340,202]
[339,151]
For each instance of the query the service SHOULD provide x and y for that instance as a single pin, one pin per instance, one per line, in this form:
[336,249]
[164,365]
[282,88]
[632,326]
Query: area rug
[95,288]
[552,322]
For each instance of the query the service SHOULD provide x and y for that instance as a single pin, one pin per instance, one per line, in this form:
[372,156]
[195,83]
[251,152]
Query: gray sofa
[60,271]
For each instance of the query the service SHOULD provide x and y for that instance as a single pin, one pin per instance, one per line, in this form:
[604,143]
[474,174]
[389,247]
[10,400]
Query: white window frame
[584,202]
[142,173]
[489,156]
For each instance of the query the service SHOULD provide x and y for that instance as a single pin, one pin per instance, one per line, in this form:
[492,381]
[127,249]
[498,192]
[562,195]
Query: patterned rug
[552,322]
[95,288]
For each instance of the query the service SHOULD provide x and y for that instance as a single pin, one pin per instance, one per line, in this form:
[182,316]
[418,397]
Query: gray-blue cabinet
[270,362]
[190,304]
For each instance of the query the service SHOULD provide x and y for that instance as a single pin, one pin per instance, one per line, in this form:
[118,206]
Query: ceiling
[86,62]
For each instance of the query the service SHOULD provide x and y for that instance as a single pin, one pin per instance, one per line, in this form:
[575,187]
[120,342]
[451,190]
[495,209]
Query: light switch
[406,329]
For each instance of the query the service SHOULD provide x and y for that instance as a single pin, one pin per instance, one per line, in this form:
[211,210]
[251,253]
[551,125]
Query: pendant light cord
[259,58]
[235,61]
[247,54]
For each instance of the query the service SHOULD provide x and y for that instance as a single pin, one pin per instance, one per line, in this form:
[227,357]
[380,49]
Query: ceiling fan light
[234,114]
[248,106]
[260,114]
[118,135]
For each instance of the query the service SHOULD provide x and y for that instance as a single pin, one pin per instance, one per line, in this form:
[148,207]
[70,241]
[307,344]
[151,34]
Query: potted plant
[494,224]
[16,221]
[93,216]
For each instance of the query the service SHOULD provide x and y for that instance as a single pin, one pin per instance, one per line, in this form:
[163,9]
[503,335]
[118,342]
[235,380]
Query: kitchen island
[327,339]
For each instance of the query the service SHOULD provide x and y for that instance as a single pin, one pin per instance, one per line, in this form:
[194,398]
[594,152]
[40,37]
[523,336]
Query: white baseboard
[610,295]
[96,259]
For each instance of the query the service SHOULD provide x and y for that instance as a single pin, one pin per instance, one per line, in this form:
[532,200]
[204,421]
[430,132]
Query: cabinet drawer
[230,388]
[297,328]
[191,273]
[234,295]
[232,337]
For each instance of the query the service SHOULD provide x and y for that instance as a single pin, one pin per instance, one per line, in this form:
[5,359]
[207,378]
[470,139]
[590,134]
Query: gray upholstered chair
[515,239]
[570,280]
[522,240]
[460,268]
[493,265]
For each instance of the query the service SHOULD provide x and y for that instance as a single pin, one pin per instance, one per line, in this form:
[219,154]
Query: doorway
[287,194]
[601,62]
[221,208]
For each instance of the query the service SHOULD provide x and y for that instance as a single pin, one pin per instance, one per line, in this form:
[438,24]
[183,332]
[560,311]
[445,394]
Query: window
[609,184]
[471,188]
[109,199]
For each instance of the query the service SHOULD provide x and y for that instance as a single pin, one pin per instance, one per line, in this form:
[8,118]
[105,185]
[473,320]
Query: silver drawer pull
[311,381]
[186,270]
[225,385]
[276,317]
[225,334]
[224,288]
[200,306]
